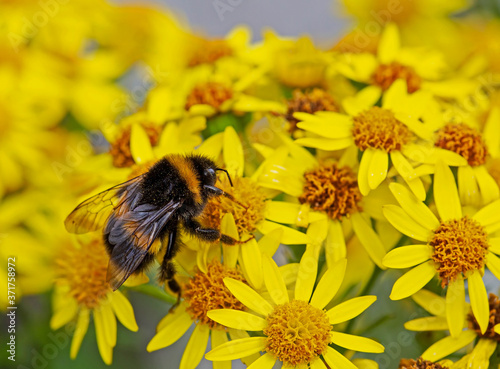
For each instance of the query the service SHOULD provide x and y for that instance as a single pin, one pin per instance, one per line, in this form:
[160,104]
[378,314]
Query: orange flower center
[463,140]
[459,246]
[209,51]
[332,190]
[419,364]
[206,291]
[377,128]
[297,333]
[84,270]
[385,75]
[247,193]
[120,148]
[309,102]
[494,305]
[209,93]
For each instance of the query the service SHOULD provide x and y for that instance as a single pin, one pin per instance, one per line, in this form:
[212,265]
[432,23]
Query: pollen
[494,305]
[463,140]
[419,364]
[386,74]
[459,246]
[248,209]
[206,291]
[297,333]
[377,128]
[209,93]
[120,148]
[309,102]
[209,51]
[84,270]
[332,190]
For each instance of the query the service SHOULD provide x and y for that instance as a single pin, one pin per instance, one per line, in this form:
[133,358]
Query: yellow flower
[295,330]
[421,69]
[327,200]
[81,290]
[457,247]
[203,291]
[438,307]
[392,131]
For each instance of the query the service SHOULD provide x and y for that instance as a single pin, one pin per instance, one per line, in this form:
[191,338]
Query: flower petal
[369,239]
[413,281]
[434,304]
[64,314]
[414,208]
[430,323]
[487,184]
[493,264]
[274,281]
[407,256]
[446,193]
[389,44]
[171,332]
[290,236]
[479,300]
[237,349]
[195,348]
[252,259]
[329,284]
[233,152]
[489,216]
[230,252]
[123,310]
[140,146]
[328,144]
[364,167]
[105,349]
[237,319]
[448,345]
[82,325]
[335,248]
[248,296]
[356,343]
[266,361]
[336,360]
[270,242]
[377,171]
[467,186]
[306,278]
[404,223]
[349,309]
[455,306]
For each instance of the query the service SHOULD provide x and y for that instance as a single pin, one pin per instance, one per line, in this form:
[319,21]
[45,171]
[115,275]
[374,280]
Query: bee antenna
[228,177]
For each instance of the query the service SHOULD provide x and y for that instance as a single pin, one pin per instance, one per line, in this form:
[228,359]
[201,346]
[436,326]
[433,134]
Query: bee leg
[218,192]
[167,268]
[210,234]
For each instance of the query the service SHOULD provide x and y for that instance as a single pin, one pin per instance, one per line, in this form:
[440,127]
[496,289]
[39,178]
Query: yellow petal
[404,223]
[494,245]
[448,345]
[327,144]
[105,349]
[365,364]
[414,208]
[355,343]
[306,277]
[274,281]
[171,316]
[290,236]
[218,338]
[455,306]
[252,259]
[407,256]
[237,349]
[212,146]
[489,216]
[349,309]
[81,328]
[431,323]
[491,133]
[413,281]
[123,310]
[329,284]
[233,152]
[195,348]
[171,332]
[377,171]
[434,304]
[248,296]
[266,361]
[389,44]
[487,184]
[336,360]
[230,252]
[270,242]
[140,146]
[326,128]
[479,300]
[403,166]
[237,319]
[109,323]
[369,239]
[364,168]
[64,314]
[335,248]
[317,364]
[467,186]
[446,193]
[493,264]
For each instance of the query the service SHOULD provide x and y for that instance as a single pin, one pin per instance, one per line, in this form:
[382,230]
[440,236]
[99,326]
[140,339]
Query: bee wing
[131,235]
[91,214]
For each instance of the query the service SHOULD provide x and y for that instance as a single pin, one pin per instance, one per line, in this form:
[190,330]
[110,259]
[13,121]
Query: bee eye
[210,176]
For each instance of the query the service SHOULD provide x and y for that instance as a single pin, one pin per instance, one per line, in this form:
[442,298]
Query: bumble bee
[173,192]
